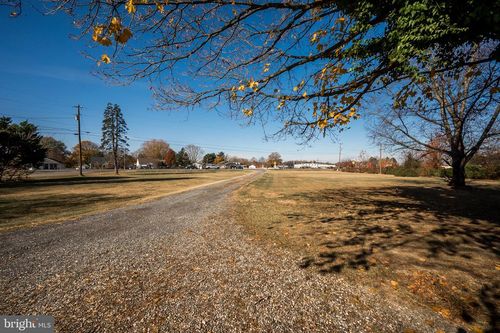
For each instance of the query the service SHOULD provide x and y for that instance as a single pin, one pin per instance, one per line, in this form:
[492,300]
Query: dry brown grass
[53,197]
[413,239]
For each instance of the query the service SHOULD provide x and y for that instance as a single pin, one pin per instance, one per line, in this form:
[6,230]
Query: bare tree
[274,159]
[194,153]
[154,149]
[459,107]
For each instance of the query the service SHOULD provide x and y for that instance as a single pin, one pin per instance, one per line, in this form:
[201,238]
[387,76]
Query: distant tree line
[484,165]
[23,149]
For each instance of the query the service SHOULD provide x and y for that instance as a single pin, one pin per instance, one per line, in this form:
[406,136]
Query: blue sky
[43,74]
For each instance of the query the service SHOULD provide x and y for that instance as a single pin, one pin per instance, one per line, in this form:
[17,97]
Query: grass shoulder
[413,239]
[56,197]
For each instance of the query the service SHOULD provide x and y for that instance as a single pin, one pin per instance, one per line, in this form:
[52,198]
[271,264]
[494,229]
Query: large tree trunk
[115,157]
[458,167]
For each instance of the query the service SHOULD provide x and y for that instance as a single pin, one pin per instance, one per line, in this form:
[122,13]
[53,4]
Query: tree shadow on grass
[439,221]
[89,180]
[10,210]
[409,229]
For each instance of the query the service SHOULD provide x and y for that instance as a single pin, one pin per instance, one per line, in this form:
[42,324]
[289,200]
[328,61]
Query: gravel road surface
[181,264]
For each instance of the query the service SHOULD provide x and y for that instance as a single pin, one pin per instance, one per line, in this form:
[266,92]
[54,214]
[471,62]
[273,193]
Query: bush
[404,172]
[474,171]
[20,149]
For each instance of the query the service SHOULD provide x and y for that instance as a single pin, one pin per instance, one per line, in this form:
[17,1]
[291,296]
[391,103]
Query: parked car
[234,165]
[211,166]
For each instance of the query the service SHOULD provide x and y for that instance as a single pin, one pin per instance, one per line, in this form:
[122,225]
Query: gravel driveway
[181,264]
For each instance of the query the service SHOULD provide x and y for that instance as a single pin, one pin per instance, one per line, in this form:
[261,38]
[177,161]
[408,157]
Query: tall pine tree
[114,132]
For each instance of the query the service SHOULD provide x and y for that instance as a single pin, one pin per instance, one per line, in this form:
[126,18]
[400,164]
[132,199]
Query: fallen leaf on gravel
[477,329]
[394,284]
[442,311]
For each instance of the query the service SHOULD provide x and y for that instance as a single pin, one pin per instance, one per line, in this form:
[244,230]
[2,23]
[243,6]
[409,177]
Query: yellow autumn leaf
[116,23]
[241,87]
[248,112]
[104,41]
[340,20]
[105,59]
[124,36]
[130,7]
[314,38]
[160,8]
[253,84]
[304,94]
[442,311]
[322,123]
[98,30]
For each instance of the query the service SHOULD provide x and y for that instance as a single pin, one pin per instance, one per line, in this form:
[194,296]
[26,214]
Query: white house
[252,167]
[313,165]
[51,164]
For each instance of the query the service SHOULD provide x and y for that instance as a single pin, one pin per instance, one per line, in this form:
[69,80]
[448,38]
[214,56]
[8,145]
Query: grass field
[411,239]
[51,196]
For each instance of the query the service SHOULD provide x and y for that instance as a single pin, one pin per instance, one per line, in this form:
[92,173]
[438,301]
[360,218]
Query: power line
[31,117]
[68,131]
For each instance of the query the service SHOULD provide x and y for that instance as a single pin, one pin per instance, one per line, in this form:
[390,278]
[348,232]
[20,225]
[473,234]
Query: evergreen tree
[182,158]
[209,158]
[20,149]
[114,132]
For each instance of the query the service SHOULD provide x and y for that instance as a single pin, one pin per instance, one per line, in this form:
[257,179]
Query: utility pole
[340,155]
[79,137]
[380,161]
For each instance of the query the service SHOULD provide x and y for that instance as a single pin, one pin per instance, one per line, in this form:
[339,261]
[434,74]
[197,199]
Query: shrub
[20,149]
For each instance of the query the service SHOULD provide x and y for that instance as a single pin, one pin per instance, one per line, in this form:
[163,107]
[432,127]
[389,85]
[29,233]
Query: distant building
[51,164]
[314,165]
[252,167]
[147,163]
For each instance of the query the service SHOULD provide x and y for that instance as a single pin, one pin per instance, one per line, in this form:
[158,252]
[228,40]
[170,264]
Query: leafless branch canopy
[296,62]
[458,108]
